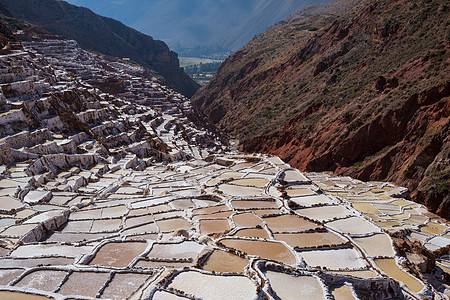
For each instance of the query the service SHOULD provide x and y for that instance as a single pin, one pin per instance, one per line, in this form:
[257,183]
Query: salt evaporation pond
[295,287]
[222,261]
[265,249]
[390,267]
[214,287]
[334,259]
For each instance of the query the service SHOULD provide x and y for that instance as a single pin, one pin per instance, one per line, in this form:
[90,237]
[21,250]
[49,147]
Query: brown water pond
[286,223]
[222,261]
[390,267]
[21,296]
[265,249]
[252,232]
[214,226]
[118,255]
[306,240]
[247,220]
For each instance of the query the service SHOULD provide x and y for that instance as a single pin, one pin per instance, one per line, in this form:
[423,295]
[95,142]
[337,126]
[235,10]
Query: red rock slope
[365,94]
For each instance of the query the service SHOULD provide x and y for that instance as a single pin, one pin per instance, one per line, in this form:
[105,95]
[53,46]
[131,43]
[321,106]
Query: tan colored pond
[246,220]
[91,284]
[222,261]
[286,223]
[252,232]
[256,182]
[376,245]
[265,212]
[214,226]
[271,250]
[21,296]
[118,255]
[249,204]
[214,287]
[44,280]
[231,175]
[240,191]
[173,224]
[306,240]
[366,208]
[299,192]
[290,287]
[390,267]
[343,292]
[222,214]
[242,166]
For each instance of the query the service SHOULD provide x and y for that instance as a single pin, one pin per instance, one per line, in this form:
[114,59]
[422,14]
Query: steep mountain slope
[223,24]
[104,35]
[366,94]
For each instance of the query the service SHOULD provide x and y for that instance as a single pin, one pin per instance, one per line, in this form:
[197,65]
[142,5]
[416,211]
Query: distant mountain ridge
[365,94]
[223,24]
[104,35]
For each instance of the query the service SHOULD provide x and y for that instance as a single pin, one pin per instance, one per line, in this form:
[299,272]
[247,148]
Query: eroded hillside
[365,94]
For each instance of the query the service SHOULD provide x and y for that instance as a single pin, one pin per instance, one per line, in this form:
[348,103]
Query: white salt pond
[353,225]
[295,287]
[376,245]
[214,287]
[334,259]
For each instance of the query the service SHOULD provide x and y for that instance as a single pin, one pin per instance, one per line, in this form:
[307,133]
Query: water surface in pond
[390,267]
[286,223]
[222,261]
[306,240]
[271,250]
[118,255]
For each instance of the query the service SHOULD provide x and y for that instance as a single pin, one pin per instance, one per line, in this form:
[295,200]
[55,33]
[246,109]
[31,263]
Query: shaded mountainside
[366,94]
[218,24]
[104,35]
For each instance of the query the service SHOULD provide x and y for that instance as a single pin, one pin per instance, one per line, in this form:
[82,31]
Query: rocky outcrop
[349,94]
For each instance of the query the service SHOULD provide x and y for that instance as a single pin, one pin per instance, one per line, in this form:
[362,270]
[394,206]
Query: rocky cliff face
[365,94]
[104,35]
